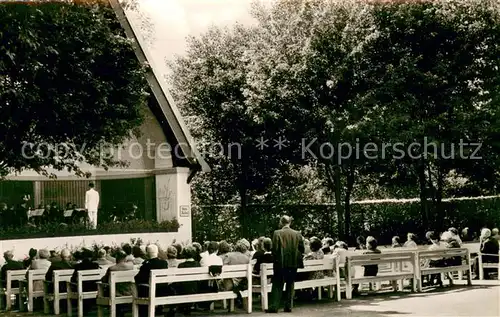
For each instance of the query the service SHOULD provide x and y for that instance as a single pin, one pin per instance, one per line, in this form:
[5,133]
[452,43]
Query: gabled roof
[164,108]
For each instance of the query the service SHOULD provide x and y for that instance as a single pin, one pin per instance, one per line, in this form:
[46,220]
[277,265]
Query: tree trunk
[347,202]
[338,201]
[422,180]
[244,219]
[439,198]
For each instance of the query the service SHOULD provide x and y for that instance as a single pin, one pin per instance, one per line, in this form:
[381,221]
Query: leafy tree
[439,74]
[309,64]
[69,79]
[209,83]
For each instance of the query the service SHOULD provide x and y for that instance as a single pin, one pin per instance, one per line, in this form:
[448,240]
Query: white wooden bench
[79,294]
[27,287]
[59,276]
[326,265]
[111,299]
[485,265]
[396,273]
[9,291]
[179,275]
[426,255]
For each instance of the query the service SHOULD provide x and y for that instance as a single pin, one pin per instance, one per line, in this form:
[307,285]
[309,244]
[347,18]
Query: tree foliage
[360,74]
[69,78]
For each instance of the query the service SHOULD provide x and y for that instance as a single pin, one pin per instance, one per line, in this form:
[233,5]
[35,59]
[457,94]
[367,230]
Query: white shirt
[91,200]
[211,259]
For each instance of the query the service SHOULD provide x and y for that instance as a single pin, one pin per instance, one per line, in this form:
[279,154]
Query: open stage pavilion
[157,184]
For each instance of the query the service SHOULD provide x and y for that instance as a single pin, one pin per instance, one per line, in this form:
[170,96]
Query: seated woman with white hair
[489,253]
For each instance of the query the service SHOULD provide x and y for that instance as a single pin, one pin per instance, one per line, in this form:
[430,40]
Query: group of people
[287,250]
[488,239]
[22,214]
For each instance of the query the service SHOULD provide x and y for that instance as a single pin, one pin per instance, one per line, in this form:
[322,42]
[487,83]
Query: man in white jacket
[91,205]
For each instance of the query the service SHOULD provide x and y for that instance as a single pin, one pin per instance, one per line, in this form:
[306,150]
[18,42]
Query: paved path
[475,301]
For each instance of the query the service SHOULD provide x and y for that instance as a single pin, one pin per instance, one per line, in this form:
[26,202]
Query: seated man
[64,264]
[122,289]
[101,258]
[10,265]
[85,265]
[142,278]
[154,263]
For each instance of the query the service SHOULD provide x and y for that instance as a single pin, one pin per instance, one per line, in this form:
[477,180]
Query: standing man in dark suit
[288,249]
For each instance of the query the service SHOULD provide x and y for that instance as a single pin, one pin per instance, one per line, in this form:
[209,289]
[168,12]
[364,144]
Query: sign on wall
[184,210]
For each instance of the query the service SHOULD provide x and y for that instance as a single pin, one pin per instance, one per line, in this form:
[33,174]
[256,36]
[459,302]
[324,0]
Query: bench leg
[46,307]
[320,293]
[100,311]
[112,310]
[331,291]
[419,282]
[80,307]
[264,299]
[231,305]
[70,307]
[30,300]
[57,305]
[135,310]
[212,306]
[224,303]
[348,291]
[151,310]
[8,300]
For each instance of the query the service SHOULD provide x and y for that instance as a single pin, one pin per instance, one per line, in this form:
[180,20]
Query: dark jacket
[261,259]
[288,248]
[10,266]
[186,288]
[489,247]
[56,266]
[85,265]
[122,289]
[143,277]
[371,270]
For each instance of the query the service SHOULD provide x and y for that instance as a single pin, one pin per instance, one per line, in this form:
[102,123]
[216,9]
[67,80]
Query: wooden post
[263,287]
[348,288]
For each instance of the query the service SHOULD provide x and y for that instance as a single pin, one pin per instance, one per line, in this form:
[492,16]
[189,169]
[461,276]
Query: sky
[174,20]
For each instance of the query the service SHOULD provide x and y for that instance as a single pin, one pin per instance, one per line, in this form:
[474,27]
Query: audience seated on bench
[181,286]
[56,289]
[488,257]
[11,273]
[117,285]
[451,261]
[370,262]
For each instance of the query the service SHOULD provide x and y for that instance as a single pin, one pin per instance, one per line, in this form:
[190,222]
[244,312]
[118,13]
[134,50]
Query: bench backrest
[36,275]
[16,275]
[380,258]
[90,275]
[198,274]
[62,276]
[326,264]
[122,277]
[443,253]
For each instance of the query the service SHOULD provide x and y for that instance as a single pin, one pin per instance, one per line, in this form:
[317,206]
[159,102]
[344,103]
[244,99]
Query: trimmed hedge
[63,230]
[386,219]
